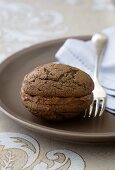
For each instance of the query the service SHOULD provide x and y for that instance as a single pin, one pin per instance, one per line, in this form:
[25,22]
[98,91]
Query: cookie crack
[56,79]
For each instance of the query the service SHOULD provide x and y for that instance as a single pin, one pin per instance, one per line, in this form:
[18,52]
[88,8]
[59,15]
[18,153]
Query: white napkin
[82,54]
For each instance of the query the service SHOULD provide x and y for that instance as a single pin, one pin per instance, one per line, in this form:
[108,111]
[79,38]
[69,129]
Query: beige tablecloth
[23,23]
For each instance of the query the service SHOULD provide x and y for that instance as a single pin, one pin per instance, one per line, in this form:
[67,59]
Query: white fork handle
[100,41]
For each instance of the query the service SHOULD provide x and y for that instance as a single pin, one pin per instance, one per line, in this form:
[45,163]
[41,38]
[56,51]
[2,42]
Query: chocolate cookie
[57,91]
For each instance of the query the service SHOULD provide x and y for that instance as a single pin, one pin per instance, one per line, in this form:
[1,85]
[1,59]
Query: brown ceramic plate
[12,72]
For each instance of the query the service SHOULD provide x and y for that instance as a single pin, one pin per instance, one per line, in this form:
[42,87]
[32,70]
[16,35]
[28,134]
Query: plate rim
[42,128]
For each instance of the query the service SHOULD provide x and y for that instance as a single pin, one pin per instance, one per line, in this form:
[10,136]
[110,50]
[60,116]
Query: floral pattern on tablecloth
[23,25]
[20,151]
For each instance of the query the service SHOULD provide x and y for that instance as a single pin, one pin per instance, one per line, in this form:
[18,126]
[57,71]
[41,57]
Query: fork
[99,40]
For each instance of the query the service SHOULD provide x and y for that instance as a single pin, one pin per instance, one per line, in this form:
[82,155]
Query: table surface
[26,22]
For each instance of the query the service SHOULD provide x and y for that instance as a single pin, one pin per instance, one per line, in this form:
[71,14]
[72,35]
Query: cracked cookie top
[59,80]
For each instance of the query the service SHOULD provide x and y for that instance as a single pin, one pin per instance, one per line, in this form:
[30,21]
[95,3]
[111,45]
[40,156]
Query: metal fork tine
[96,107]
[91,108]
[85,113]
[102,107]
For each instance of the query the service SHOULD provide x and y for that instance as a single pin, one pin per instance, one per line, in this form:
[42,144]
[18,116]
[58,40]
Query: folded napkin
[82,54]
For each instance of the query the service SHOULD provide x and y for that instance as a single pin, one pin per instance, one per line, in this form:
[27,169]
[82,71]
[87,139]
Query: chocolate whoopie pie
[57,91]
